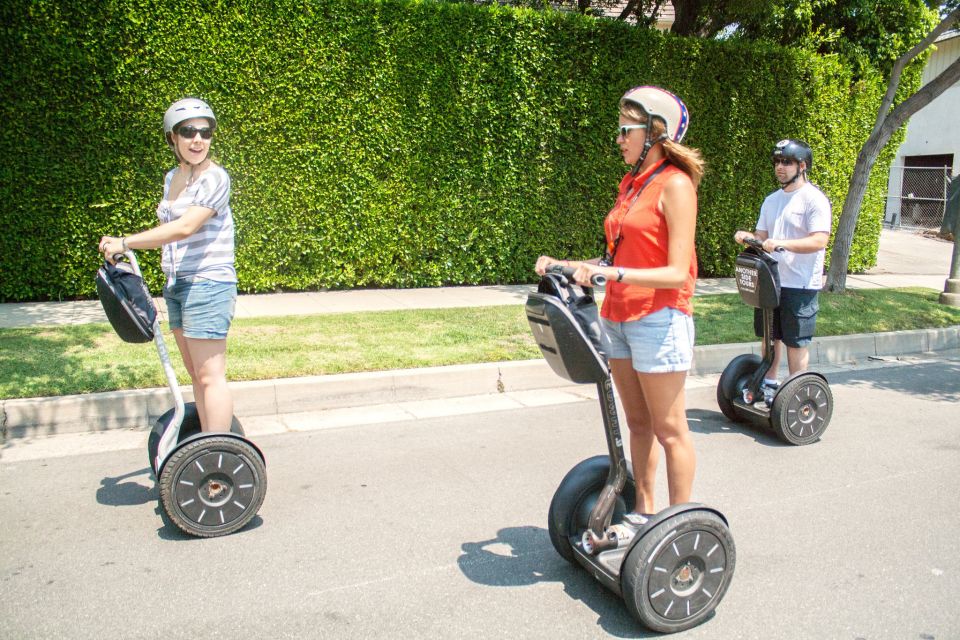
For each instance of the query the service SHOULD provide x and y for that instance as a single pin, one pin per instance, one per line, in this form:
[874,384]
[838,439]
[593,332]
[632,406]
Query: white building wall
[933,130]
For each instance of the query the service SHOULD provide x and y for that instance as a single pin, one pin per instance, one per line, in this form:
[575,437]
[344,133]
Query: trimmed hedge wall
[386,143]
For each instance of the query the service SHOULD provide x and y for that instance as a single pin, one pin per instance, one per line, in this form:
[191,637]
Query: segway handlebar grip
[756,244]
[597,280]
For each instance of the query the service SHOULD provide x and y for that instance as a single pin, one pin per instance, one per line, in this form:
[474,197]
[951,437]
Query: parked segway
[672,570]
[802,405]
[211,484]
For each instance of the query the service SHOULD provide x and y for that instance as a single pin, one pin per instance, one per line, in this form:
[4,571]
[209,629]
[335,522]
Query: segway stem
[602,513]
[171,435]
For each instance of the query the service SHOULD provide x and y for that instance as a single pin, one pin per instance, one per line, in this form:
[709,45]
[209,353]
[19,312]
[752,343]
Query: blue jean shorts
[795,320]
[202,308]
[661,342]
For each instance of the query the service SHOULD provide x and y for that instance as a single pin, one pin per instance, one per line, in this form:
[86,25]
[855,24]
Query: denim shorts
[661,342]
[795,320]
[202,308]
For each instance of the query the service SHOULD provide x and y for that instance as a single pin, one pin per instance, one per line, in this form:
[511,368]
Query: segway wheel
[575,498]
[678,572]
[190,426]
[214,485]
[732,382]
[802,409]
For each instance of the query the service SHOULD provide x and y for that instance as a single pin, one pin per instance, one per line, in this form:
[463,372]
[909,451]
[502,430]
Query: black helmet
[795,150]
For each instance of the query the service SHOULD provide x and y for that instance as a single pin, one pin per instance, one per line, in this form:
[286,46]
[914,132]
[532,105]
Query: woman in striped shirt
[196,236]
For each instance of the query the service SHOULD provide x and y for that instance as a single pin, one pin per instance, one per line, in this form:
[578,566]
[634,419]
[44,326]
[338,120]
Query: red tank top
[643,244]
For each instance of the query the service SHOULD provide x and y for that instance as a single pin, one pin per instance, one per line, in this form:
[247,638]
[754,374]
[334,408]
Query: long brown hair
[687,159]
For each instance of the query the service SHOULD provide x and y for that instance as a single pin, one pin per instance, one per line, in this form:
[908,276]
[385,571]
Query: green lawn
[88,358]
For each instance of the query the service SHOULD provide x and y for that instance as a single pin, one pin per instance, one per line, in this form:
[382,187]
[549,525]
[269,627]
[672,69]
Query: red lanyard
[612,246]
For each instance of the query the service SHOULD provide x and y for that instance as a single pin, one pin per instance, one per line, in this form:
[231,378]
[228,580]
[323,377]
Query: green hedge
[385,143]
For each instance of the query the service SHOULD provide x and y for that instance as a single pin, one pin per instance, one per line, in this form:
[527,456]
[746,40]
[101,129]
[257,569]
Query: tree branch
[924,96]
[904,60]
[627,10]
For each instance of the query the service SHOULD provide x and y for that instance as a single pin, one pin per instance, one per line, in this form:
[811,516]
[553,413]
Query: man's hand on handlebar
[767,244]
[770,245]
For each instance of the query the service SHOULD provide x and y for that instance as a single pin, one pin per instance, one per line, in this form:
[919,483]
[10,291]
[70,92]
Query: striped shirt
[208,253]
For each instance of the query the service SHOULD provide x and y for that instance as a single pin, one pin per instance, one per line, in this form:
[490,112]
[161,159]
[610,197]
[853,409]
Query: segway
[802,405]
[672,569]
[211,484]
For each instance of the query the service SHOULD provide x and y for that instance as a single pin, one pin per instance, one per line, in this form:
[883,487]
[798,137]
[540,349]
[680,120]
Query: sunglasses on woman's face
[627,128]
[191,132]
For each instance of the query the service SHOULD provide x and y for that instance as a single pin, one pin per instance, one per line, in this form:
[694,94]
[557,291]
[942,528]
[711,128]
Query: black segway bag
[566,326]
[126,302]
[758,279]
[582,306]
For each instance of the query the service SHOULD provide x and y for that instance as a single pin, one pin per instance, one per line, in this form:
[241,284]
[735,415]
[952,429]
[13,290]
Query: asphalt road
[437,529]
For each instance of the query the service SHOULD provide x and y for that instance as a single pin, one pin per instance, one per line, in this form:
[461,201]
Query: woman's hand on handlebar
[110,247]
[589,275]
[584,273]
[544,263]
[740,237]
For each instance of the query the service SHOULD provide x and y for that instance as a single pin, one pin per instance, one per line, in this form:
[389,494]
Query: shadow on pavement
[115,493]
[170,531]
[714,423]
[936,381]
[521,556]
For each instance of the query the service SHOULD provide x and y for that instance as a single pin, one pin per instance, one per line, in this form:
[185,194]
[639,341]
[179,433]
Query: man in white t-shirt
[794,225]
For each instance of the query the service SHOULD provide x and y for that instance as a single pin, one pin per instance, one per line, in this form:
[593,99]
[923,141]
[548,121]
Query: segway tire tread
[732,382]
[677,573]
[802,409]
[242,479]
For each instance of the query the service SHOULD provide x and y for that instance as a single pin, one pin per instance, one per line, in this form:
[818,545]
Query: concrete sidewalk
[905,259]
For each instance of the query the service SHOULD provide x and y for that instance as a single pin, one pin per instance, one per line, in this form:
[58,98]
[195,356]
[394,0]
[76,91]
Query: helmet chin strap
[647,145]
[800,172]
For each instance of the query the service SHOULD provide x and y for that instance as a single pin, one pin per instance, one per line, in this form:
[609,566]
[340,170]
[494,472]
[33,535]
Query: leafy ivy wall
[387,143]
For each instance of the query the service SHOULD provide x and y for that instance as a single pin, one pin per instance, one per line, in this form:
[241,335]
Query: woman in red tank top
[651,269]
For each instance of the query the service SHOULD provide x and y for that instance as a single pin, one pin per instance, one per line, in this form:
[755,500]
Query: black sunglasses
[191,132]
[787,162]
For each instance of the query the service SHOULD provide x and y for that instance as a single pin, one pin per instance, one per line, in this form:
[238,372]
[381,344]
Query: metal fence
[917,196]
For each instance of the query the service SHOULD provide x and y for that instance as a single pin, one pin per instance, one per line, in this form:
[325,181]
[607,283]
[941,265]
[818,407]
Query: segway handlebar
[597,280]
[757,244]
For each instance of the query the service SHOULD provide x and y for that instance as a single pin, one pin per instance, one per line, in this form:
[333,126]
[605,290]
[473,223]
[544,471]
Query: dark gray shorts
[795,320]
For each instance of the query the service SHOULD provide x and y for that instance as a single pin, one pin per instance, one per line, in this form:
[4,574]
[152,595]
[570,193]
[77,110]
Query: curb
[138,409]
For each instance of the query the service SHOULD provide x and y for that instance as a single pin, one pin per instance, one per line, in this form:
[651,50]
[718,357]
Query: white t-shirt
[208,253]
[790,216]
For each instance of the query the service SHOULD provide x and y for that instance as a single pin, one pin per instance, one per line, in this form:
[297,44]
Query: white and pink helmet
[660,103]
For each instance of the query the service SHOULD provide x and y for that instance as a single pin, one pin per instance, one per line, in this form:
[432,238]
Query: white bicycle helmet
[185,109]
[660,103]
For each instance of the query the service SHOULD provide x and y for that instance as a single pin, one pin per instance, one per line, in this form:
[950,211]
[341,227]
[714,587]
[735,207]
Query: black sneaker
[769,390]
